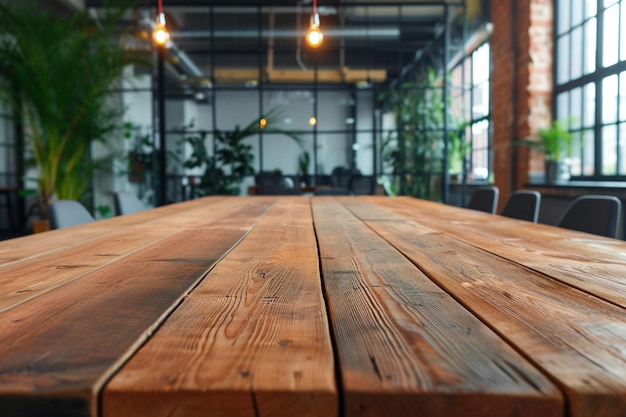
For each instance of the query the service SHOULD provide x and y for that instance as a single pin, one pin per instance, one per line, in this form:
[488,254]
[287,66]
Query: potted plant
[57,74]
[223,170]
[555,144]
[304,160]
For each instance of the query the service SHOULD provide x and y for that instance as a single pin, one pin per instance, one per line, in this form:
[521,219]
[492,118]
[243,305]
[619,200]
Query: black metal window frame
[479,156]
[590,84]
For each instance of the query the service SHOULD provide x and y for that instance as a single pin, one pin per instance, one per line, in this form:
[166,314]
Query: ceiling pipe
[178,62]
[388,33]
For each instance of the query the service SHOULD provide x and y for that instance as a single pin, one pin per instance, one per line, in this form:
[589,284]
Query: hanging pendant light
[314,36]
[160,35]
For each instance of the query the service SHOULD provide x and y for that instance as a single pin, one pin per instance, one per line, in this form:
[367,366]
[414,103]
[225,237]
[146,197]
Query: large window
[470,98]
[590,83]
[8,170]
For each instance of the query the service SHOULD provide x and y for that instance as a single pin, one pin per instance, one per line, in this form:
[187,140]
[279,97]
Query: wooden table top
[312,306]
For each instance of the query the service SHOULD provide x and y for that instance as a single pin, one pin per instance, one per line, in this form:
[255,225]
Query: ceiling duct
[180,65]
[378,33]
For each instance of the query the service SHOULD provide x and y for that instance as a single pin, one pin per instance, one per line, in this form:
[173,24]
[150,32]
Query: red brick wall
[520,91]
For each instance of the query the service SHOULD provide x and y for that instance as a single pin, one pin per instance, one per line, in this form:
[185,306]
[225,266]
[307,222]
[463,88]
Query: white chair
[66,213]
[127,203]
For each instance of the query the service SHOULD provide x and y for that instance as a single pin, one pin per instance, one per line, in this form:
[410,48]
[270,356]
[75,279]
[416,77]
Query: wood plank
[251,340]
[406,348]
[16,249]
[593,264]
[576,339]
[24,279]
[57,350]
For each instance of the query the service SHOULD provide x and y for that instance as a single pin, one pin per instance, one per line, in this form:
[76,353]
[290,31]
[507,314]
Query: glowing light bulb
[312,121]
[314,36]
[160,35]
[262,122]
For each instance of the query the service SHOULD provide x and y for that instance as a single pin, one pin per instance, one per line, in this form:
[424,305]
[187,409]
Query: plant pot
[40,226]
[557,171]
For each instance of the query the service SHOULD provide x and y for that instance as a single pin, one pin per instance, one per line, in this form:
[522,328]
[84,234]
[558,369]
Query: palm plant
[57,74]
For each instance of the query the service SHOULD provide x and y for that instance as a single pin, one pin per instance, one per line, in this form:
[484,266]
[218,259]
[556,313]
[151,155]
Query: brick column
[521,86]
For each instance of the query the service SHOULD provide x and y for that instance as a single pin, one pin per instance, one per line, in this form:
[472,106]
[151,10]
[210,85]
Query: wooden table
[298,306]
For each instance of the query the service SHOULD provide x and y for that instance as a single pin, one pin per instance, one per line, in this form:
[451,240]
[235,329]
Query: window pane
[622,52]
[480,150]
[609,148]
[563,60]
[622,96]
[590,8]
[610,33]
[609,99]
[576,58]
[575,158]
[480,64]
[562,106]
[563,16]
[576,105]
[589,111]
[622,149]
[588,152]
[577,14]
[590,46]
[608,3]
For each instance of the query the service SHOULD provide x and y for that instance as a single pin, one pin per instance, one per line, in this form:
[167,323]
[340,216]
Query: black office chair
[127,203]
[485,199]
[597,214]
[66,213]
[523,205]
[362,184]
[273,183]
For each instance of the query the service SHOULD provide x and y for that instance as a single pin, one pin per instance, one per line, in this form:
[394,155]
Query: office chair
[485,199]
[523,205]
[127,203]
[66,213]
[362,184]
[596,214]
[270,183]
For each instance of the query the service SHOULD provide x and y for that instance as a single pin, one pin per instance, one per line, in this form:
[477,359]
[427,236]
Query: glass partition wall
[232,63]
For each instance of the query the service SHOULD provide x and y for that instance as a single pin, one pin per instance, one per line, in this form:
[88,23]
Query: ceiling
[249,42]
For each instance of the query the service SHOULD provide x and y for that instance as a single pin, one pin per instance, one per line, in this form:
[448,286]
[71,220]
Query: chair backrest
[485,199]
[270,183]
[597,214]
[66,213]
[362,184]
[340,176]
[127,203]
[523,205]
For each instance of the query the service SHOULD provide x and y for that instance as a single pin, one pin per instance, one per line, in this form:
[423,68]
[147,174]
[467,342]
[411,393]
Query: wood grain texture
[576,339]
[40,272]
[594,264]
[405,347]
[17,249]
[251,340]
[57,350]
